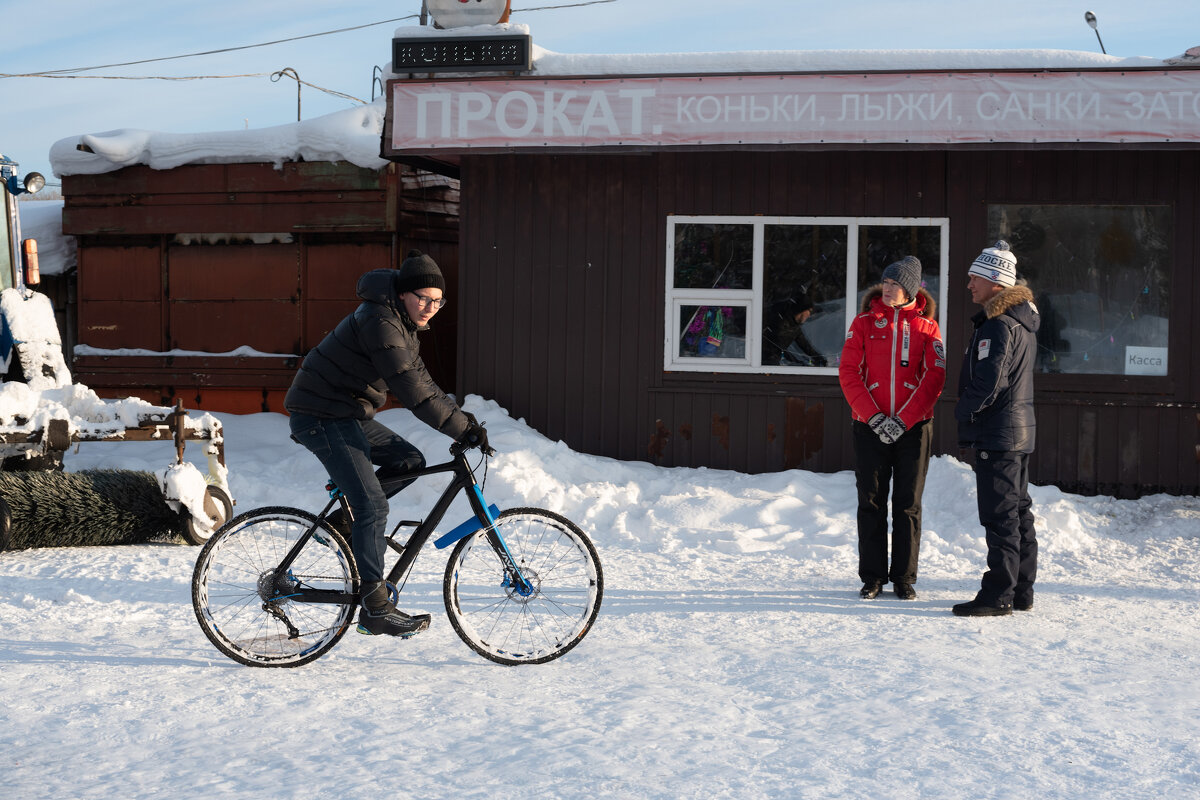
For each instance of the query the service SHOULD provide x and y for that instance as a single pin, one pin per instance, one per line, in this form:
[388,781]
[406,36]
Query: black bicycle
[279,587]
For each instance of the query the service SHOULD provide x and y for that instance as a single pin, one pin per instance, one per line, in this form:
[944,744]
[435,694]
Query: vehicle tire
[219,508]
[242,605]
[511,627]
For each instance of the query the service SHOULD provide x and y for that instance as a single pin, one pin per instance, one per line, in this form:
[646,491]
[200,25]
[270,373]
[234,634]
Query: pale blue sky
[65,34]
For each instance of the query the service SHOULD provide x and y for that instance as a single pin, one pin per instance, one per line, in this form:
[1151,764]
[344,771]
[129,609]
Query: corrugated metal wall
[563,282]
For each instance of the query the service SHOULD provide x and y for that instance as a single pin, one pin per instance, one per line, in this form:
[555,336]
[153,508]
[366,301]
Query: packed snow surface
[732,657]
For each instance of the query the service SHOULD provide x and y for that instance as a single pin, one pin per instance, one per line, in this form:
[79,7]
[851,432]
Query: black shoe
[976,608]
[379,614]
[1023,604]
[904,591]
[392,622]
[870,590]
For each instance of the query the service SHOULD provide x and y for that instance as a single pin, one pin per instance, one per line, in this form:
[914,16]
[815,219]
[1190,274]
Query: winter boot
[379,614]
[978,608]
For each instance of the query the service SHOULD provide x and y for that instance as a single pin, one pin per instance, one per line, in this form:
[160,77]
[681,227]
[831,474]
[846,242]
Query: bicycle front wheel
[509,624]
[245,605]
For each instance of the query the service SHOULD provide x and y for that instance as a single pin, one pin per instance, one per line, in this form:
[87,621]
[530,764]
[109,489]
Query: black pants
[1006,513]
[903,465]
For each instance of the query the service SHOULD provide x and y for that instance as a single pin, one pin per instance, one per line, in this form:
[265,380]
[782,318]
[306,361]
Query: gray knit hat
[419,271]
[996,264]
[907,273]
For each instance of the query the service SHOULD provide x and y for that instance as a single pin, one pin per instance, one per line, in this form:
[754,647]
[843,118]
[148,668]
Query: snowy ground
[732,656]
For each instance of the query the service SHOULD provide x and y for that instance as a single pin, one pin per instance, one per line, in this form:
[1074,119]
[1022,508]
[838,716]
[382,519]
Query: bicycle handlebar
[458,448]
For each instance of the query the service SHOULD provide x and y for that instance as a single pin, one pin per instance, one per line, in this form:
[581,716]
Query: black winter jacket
[371,352]
[995,388]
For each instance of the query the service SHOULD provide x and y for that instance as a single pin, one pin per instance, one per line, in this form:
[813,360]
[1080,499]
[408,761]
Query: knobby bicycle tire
[508,626]
[242,605]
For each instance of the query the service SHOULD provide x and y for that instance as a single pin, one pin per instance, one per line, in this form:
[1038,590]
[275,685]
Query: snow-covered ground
[732,656]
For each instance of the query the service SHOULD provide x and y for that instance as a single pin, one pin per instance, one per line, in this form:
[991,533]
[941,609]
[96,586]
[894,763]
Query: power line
[333,92]
[53,73]
[59,72]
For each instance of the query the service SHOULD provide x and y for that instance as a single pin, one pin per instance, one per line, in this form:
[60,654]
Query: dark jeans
[1005,511]
[349,449]
[904,465]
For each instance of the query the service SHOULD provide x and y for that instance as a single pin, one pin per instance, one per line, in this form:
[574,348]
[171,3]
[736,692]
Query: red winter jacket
[893,360]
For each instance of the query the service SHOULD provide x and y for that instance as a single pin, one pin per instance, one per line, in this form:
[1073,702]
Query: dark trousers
[350,449]
[1006,513]
[901,466]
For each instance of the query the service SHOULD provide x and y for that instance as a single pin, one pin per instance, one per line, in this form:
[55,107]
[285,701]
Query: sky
[70,35]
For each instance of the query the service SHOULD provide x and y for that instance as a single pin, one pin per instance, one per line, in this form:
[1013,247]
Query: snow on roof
[353,135]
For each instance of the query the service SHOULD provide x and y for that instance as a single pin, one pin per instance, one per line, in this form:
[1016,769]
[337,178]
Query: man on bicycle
[332,402]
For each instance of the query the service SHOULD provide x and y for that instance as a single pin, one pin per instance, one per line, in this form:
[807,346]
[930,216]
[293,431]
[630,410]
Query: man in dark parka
[995,418]
[332,402]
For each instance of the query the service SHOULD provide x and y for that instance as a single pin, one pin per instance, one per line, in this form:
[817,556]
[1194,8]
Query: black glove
[891,430]
[876,422]
[475,435]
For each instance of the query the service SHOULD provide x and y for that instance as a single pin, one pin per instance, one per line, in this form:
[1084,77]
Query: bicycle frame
[485,517]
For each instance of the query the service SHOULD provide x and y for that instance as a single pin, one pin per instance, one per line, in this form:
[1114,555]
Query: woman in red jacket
[892,371]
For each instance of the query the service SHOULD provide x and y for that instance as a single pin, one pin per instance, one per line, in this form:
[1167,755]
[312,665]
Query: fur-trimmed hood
[928,310]
[1017,302]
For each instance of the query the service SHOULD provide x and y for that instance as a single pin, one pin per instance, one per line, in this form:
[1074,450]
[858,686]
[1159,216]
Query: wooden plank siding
[563,283]
[211,258]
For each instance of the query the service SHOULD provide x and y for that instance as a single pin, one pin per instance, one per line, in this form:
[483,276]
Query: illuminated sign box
[462,54]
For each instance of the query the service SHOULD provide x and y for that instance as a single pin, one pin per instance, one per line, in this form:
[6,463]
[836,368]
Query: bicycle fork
[485,517]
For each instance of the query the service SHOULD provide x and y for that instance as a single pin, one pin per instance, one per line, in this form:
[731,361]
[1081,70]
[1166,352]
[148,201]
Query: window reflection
[1100,276]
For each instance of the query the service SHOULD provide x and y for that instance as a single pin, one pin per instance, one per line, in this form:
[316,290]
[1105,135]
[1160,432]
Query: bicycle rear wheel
[510,626]
[244,604]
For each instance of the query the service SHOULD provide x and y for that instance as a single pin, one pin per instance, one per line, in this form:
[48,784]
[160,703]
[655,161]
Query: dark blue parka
[371,352]
[995,388]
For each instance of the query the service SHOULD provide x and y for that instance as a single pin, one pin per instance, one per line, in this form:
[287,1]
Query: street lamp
[1090,18]
[32,183]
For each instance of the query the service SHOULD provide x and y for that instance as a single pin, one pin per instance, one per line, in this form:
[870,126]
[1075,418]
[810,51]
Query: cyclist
[332,402]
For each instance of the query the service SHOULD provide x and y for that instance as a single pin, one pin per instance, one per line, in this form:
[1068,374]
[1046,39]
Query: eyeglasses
[425,302]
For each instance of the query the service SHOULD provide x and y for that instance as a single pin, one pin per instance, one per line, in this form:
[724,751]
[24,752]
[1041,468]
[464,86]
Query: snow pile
[351,135]
[184,487]
[31,336]
[731,658]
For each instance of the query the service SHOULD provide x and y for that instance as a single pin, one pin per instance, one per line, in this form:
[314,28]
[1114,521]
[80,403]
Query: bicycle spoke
[518,623]
[249,610]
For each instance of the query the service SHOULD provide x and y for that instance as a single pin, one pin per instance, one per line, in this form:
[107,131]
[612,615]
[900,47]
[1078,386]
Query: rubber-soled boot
[379,615]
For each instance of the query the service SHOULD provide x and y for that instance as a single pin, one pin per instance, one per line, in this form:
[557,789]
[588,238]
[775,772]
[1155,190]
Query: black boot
[379,614]
[905,591]
[870,590]
[978,608]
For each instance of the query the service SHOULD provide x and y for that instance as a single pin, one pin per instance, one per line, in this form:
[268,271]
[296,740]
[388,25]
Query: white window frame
[752,299]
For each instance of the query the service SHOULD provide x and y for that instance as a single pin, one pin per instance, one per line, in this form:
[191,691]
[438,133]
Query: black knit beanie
[419,271]
[907,273]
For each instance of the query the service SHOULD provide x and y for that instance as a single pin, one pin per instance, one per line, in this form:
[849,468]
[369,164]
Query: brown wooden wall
[563,271]
[141,286]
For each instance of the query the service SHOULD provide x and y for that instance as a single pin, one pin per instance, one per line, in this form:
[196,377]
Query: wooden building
[603,216]
[207,283]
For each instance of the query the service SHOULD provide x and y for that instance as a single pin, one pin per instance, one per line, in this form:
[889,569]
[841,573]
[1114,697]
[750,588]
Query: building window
[1101,279]
[769,294]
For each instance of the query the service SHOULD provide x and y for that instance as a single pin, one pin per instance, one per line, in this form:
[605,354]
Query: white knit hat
[996,264]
